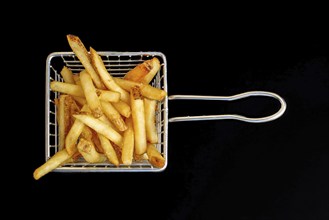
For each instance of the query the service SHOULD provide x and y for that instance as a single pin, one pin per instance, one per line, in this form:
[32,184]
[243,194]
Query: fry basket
[118,64]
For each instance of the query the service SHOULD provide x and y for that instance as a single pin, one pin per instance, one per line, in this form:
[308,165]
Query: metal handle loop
[276,115]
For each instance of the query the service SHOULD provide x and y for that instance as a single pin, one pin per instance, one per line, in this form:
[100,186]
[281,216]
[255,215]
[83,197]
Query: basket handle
[276,115]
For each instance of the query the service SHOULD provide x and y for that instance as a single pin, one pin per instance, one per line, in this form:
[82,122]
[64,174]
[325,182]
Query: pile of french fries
[103,118]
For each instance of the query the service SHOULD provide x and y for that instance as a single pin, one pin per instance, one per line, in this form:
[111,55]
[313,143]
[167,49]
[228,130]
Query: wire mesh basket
[117,64]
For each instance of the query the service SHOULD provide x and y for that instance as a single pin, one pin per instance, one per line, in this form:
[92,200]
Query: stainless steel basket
[118,64]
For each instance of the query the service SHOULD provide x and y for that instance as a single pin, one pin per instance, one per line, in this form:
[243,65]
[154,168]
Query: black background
[228,169]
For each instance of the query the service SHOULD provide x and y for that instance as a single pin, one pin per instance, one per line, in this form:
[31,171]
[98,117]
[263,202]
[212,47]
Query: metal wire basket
[118,64]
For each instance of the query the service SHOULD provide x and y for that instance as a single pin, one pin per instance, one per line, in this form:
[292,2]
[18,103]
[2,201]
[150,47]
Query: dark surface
[228,169]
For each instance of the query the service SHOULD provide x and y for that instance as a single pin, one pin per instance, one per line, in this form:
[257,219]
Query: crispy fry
[150,121]
[79,100]
[81,52]
[95,139]
[66,88]
[109,123]
[147,90]
[144,72]
[123,108]
[52,163]
[113,115]
[67,75]
[106,77]
[77,91]
[128,143]
[74,133]
[108,96]
[76,78]
[109,150]
[141,157]
[138,117]
[88,151]
[101,127]
[90,94]
[66,107]
[154,156]
[61,121]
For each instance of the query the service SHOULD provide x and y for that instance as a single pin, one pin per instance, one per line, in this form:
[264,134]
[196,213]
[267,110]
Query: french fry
[81,52]
[108,96]
[74,133]
[147,90]
[128,143]
[144,72]
[67,75]
[123,108]
[66,107]
[79,100]
[90,94]
[101,127]
[106,77]
[141,157]
[109,150]
[76,78]
[61,120]
[113,115]
[138,118]
[89,153]
[77,91]
[67,88]
[150,121]
[52,163]
[109,123]
[95,139]
[118,151]
[154,156]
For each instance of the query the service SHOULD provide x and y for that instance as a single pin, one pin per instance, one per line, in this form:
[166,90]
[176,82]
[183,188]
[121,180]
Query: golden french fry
[144,72]
[76,78]
[74,133]
[101,127]
[106,77]
[97,142]
[89,153]
[80,100]
[108,150]
[118,151]
[81,52]
[138,117]
[60,105]
[128,143]
[67,88]
[66,108]
[150,121]
[113,115]
[141,157]
[154,156]
[108,96]
[123,108]
[147,90]
[67,75]
[86,133]
[74,158]
[90,94]
[52,163]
